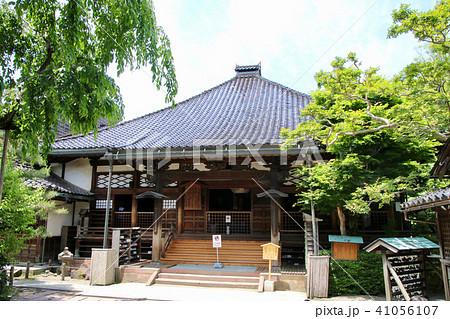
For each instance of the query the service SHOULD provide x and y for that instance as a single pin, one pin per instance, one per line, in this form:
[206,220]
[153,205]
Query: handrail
[168,239]
[87,231]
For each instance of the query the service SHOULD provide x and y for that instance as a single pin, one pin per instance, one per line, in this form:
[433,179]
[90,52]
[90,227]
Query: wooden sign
[270,251]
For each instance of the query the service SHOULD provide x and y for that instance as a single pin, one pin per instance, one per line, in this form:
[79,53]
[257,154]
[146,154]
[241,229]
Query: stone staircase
[200,251]
[214,279]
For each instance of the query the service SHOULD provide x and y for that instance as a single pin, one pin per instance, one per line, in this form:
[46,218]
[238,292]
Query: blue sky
[293,39]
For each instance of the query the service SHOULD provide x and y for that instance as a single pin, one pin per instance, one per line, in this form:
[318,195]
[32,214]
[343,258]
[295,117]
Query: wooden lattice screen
[444,220]
[410,270]
[118,180]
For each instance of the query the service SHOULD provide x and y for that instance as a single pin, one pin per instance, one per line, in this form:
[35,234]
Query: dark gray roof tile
[248,109]
[428,199]
[56,183]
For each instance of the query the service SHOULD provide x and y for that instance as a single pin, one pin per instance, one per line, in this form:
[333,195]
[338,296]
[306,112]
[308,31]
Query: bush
[367,271]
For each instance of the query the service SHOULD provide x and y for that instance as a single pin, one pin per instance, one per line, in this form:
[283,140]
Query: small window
[169,204]
[101,204]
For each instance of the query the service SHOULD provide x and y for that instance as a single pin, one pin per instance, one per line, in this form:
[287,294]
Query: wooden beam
[387,278]
[445,265]
[157,225]
[153,277]
[261,284]
[398,281]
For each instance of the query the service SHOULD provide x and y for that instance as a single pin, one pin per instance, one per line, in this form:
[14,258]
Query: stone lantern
[65,256]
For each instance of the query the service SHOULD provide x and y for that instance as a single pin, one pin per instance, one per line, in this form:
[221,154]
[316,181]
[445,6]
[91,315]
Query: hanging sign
[217,241]
[228,219]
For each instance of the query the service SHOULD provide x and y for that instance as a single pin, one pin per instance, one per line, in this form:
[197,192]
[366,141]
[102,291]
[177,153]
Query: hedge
[367,271]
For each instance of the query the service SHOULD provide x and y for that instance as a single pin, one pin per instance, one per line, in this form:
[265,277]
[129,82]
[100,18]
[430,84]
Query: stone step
[206,277]
[211,284]
[200,251]
[203,280]
[188,251]
[203,256]
[212,261]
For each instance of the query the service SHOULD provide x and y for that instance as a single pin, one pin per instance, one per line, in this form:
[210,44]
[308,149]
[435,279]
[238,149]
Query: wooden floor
[200,251]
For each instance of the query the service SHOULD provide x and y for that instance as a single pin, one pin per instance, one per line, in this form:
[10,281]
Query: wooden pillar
[157,226]
[445,270]
[274,225]
[274,212]
[134,211]
[180,209]
[77,242]
[64,234]
[108,199]
[387,276]
[445,264]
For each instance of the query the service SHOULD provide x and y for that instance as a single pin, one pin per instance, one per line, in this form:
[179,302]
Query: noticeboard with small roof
[404,270]
[345,247]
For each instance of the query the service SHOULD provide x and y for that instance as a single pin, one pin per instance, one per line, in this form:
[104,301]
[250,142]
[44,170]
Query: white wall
[79,172]
[55,222]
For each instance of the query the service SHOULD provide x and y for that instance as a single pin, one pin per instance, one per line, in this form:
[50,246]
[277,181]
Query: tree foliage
[382,131]
[22,207]
[430,26]
[54,58]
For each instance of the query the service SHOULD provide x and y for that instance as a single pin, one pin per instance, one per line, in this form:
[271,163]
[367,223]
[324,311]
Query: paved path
[70,289]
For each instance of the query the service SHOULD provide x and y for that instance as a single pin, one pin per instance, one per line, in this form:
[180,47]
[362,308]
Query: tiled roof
[56,183]
[246,110]
[401,244]
[428,200]
[63,128]
[345,239]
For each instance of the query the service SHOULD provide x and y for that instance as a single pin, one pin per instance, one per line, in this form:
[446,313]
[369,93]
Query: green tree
[389,128]
[21,208]
[426,81]
[431,27]
[358,115]
[54,58]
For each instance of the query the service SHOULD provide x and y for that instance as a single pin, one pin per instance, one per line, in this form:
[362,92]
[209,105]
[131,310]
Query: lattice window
[101,204]
[292,221]
[169,204]
[145,220]
[122,220]
[236,223]
[120,180]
